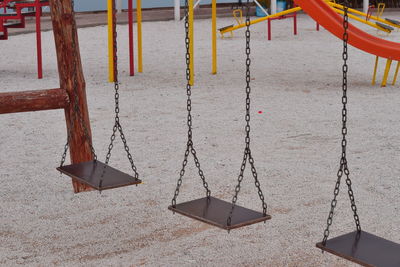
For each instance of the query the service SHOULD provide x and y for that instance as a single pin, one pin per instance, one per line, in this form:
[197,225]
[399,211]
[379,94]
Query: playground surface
[296,84]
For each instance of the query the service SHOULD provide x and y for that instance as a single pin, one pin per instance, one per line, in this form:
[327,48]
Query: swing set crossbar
[14,102]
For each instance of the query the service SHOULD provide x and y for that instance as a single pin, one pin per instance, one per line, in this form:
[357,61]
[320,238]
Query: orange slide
[333,22]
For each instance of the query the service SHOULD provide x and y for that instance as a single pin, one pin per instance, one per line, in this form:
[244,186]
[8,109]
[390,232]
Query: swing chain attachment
[343,161]
[117,124]
[247,151]
[189,145]
[76,106]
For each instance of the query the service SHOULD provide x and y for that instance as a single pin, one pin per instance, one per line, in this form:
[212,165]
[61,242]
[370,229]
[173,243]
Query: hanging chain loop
[189,145]
[343,168]
[117,124]
[247,151]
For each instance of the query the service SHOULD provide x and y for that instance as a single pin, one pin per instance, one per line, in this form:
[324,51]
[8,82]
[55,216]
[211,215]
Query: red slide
[333,22]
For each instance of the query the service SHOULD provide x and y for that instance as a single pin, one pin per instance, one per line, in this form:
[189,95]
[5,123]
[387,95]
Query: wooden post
[71,75]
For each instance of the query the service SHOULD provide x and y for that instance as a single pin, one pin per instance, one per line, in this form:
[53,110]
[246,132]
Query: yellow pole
[396,73]
[375,70]
[214,36]
[110,40]
[386,74]
[139,34]
[191,46]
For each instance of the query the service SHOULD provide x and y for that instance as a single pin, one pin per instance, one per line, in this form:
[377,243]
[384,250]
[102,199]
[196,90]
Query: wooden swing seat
[98,175]
[215,212]
[365,249]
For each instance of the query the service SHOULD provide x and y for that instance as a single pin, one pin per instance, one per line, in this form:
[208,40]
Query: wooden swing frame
[64,26]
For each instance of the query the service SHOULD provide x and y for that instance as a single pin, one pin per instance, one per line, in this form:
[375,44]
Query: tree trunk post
[71,75]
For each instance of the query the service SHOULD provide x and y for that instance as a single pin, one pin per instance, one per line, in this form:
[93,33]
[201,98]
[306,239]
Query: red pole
[295,23]
[38,40]
[269,30]
[317,26]
[130,23]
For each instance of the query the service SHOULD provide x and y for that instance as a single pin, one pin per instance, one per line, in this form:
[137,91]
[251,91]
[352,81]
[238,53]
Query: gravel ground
[296,83]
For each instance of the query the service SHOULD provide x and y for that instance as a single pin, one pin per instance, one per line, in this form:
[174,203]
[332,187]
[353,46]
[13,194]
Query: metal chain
[76,106]
[189,145]
[64,154]
[247,152]
[343,160]
[117,123]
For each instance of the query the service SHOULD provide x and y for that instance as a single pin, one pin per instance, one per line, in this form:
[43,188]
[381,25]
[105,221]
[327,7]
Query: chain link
[117,124]
[64,155]
[343,168]
[189,145]
[247,151]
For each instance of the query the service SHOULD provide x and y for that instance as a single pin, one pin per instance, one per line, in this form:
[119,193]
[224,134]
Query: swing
[211,210]
[359,246]
[94,173]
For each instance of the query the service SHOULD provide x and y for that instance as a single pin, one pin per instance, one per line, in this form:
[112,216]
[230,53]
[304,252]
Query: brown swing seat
[365,249]
[98,175]
[215,211]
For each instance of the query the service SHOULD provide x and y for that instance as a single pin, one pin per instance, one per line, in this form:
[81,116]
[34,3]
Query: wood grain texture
[72,80]
[26,101]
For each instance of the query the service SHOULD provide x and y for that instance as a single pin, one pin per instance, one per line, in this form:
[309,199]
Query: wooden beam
[33,100]
[72,79]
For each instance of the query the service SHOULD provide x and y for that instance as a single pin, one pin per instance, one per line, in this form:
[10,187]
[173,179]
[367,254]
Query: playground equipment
[358,246]
[94,173]
[111,21]
[387,24]
[71,84]
[381,25]
[379,11]
[16,19]
[209,209]
[232,28]
[292,15]
[325,15]
[71,97]
[238,15]
[386,72]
